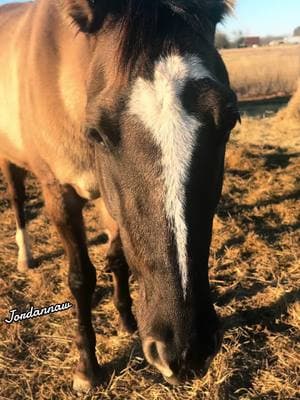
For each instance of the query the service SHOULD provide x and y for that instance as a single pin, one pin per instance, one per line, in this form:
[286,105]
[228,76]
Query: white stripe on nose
[157,104]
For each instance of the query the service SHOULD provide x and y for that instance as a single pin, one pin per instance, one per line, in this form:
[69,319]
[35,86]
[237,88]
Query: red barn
[252,41]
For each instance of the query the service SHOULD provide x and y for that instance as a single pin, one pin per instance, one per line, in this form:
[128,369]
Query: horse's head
[160,110]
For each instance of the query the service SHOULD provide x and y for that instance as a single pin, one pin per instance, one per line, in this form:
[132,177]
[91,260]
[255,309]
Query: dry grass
[292,111]
[255,282]
[263,72]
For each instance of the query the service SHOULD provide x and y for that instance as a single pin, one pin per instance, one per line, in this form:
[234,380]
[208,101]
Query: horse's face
[160,140]
[160,152]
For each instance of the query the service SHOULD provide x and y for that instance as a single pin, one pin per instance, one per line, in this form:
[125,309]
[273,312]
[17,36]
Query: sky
[259,17]
[263,17]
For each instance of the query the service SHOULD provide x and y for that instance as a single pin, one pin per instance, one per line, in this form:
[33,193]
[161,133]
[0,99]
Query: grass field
[255,281]
[263,72]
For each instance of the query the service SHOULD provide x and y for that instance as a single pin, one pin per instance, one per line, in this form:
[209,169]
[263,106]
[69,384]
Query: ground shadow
[270,234]
[102,238]
[250,358]
[48,257]
[259,224]
[101,293]
[233,241]
[33,210]
[228,206]
[237,293]
[253,326]
[265,315]
[278,159]
[244,174]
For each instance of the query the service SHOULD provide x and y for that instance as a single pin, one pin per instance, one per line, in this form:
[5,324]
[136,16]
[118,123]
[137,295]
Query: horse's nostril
[156,354]
[153,353]
[150,350]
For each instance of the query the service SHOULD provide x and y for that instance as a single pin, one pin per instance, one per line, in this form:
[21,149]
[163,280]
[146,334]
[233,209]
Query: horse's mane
[145,23]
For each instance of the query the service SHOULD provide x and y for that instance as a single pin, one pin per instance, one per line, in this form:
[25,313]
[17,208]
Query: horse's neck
[54,87]
[64,65]
[74,59]
[73,69]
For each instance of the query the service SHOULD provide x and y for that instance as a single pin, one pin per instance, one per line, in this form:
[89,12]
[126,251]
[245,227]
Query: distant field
[263,72]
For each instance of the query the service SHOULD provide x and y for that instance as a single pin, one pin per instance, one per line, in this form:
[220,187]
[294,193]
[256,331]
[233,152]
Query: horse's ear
[218,9]
[88,15]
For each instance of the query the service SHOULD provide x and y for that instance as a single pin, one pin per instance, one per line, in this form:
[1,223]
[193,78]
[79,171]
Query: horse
[129,102]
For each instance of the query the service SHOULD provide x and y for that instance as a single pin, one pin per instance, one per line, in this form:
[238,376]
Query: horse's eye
[95,136]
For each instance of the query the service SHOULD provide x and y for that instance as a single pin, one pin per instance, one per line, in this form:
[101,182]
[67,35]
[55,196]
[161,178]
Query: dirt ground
[255,277]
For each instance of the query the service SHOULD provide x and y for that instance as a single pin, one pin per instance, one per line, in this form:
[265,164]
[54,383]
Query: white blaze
[157,104]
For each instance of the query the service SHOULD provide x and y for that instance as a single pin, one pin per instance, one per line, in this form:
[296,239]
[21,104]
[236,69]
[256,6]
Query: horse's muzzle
[191,364]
